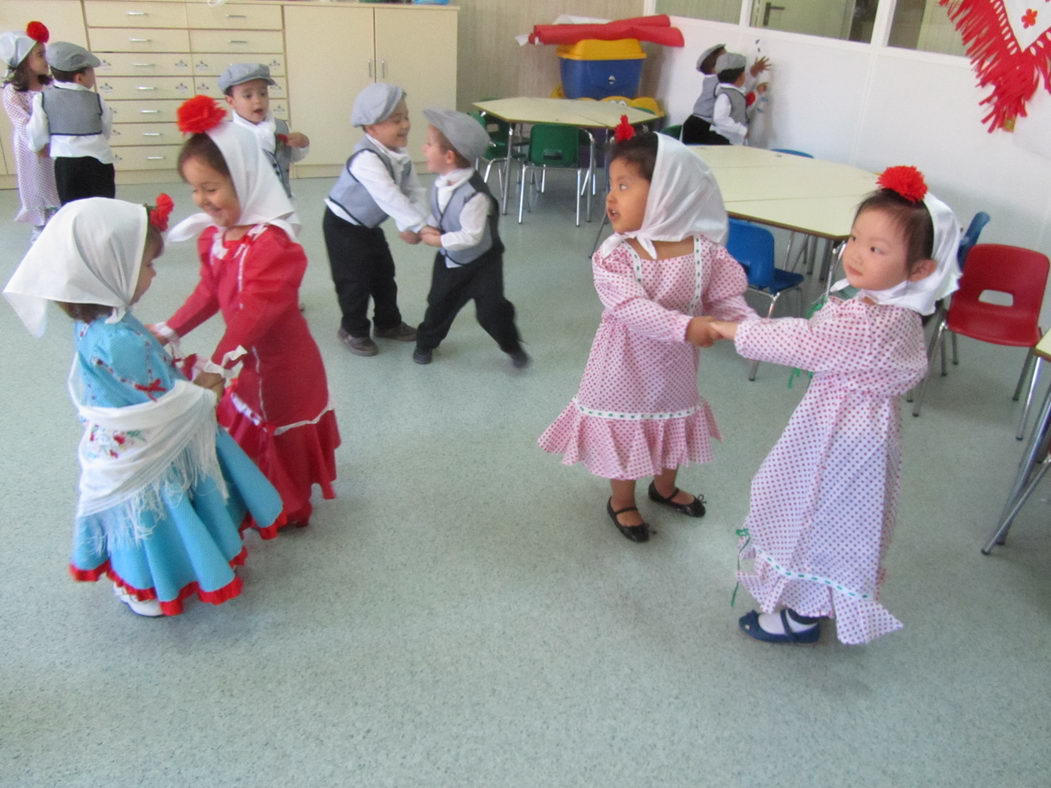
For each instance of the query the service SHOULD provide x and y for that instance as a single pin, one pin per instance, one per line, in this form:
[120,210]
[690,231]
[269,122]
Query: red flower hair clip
[905,181]
[38,32]
[199,114]
[624,130]
[158,215]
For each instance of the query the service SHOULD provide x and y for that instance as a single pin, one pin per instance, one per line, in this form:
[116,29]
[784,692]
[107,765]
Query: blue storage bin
[597,69]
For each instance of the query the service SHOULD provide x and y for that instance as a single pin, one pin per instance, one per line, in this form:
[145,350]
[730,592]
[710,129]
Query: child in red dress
[277,407]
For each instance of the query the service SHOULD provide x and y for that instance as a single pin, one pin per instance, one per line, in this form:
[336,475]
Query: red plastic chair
[1020,273]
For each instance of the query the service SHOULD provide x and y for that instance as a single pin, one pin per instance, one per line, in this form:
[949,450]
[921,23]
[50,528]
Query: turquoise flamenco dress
[194,539]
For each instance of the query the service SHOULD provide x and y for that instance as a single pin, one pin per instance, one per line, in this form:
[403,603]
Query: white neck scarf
[262,197]
[399,157]
[684,201]
[265,131]
[89,253]
[923,295]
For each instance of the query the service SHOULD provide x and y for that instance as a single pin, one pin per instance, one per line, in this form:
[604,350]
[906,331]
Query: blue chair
[753,247]
[792,152]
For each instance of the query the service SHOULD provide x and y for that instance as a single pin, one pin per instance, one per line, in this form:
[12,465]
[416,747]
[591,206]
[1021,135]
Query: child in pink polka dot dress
[637,412]
[823,501]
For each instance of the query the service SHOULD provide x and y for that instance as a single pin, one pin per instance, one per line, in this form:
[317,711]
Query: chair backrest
[753,247]
[646,103]
[618,100]
[792,152]
[554,146]
[970,237]
[1004,269]
[673,131]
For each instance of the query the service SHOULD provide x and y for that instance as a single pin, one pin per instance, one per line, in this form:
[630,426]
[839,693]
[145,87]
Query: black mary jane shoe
[636,533]
[694,508]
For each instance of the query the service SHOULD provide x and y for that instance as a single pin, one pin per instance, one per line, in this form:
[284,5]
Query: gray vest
[72,113]
[352,196]
[738,107]
[704,107]
[449,219]
[281,158]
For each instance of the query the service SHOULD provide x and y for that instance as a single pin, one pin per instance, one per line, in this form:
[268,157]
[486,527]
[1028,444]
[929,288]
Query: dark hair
[22,79]
[911,218]
[446,146]
[67,76]
[201,146]
[730,75]
[640,150]
[709,62]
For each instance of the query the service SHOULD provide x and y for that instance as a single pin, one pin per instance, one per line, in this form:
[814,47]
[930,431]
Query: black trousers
[362,268]
[452,288]
[697,131]
[78,177]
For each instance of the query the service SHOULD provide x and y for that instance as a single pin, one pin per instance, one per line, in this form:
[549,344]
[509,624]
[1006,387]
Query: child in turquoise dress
[164,492]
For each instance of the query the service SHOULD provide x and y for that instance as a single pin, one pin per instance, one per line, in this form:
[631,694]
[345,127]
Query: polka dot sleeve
[626,300]
[724,295]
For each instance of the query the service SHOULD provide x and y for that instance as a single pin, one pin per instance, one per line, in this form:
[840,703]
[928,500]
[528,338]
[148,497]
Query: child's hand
[725,329]
[44,152]
[297,140]
[212,381]
[409,236]
[762,87]
[157,334]
[431,236]
[699,332]
[760,65]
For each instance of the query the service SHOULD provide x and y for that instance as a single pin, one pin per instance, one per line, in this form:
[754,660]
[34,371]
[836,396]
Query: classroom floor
[464,613]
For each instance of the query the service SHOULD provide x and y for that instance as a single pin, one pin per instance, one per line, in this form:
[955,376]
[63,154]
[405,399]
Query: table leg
[591,171]
[507,168]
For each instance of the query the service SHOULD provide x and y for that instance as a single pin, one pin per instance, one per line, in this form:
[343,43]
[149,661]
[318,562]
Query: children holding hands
[377,182]
[823,502]
[463,225]
[637,412]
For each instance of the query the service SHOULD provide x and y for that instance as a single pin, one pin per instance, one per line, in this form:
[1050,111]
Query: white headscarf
[89,253]
[262,197]
[684,200]
[922,296]
[14,47]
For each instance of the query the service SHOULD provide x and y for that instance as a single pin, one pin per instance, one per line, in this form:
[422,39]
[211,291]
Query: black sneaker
[421,356]
[402,332]
[359,346]
[519,359]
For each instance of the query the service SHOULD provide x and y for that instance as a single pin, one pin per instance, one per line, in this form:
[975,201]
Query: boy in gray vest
[75,122]
[732,111]
[247,90]
[377,182]
[463,226]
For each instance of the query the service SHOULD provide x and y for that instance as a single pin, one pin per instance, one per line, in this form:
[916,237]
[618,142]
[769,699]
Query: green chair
[550,146]
[498,131]
[673,131]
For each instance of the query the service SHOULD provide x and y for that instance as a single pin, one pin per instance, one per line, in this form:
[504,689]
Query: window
[712,10]
[925,25]
[849,20]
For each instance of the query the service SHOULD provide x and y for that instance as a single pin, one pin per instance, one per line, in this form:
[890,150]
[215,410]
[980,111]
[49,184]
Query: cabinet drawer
[147,157]
[114,39]
[132,14]
[237,41]
[212,64]
[148,64]
[125,134]
[143,111]
[180,88]
[209,86]
[236,16]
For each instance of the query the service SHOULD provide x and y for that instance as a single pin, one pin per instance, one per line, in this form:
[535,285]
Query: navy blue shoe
[749,624]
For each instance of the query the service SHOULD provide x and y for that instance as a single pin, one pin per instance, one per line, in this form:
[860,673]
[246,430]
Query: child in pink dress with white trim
[824,499]
[638,412]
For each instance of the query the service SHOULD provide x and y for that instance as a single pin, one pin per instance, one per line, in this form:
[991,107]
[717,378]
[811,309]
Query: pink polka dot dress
[35,174]
[823,501]
[638,411]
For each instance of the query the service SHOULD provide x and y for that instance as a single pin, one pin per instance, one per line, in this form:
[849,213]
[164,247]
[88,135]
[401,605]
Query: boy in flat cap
[74,120]
[377,182]
[732,110]
[247,90]
[463,225]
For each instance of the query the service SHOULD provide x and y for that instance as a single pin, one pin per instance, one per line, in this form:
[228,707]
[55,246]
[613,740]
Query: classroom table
[1035,458]
[582,114]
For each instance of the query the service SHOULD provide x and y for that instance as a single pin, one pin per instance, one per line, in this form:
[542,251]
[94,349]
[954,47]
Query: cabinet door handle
[135,13]
[145,87]
[237,16]
[144,65]
[370,69]
[138,40]
[236,41]
[149,111]
[151,134]
[383,65]
[155,158]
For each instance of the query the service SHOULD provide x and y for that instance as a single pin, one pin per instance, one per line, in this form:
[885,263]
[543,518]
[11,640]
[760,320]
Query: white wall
[873,107]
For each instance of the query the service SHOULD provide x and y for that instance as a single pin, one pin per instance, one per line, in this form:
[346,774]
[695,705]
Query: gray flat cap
[464,133]
[375,103]
[706,53]
[728,61]
[239,73]
[69,57]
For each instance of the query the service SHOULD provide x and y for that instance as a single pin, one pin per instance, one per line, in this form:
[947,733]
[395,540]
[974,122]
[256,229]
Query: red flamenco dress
[278,407]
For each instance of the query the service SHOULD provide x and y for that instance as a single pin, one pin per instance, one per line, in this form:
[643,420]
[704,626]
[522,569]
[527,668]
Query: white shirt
[473,217]
[94,145]
[723,124]
[408,209]
[266,132]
